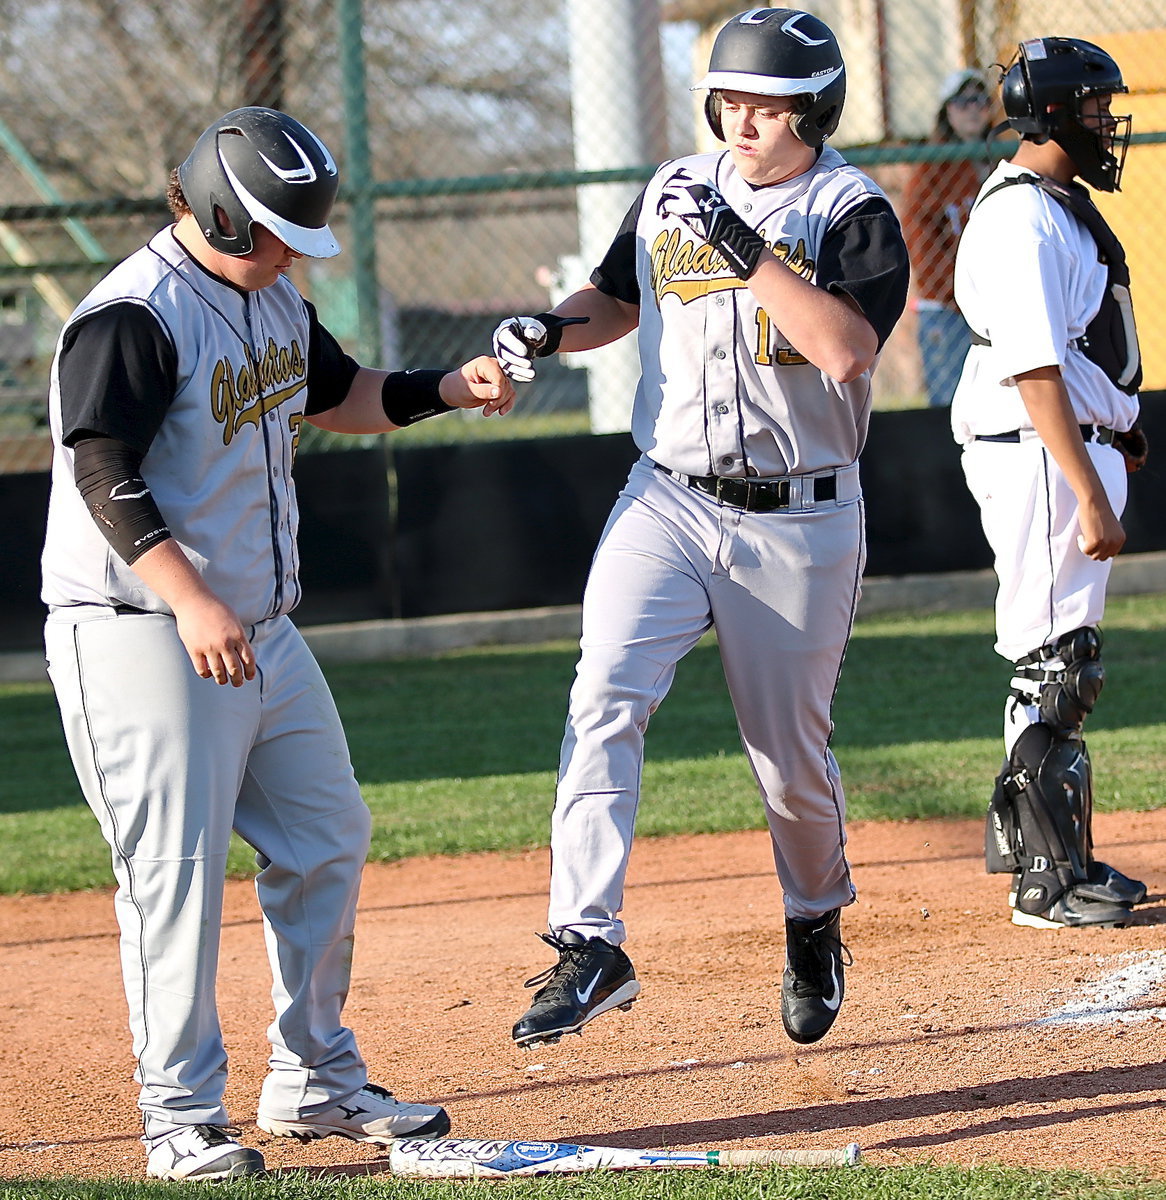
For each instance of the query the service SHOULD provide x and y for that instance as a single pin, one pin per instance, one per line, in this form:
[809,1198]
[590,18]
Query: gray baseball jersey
[219,464]
[722,391]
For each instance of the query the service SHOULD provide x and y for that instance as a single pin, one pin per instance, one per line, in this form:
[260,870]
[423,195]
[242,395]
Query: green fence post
[358,183]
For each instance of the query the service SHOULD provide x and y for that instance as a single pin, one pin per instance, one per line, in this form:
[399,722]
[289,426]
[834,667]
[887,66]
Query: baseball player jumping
[763,280]
[170,566]
[1046,411]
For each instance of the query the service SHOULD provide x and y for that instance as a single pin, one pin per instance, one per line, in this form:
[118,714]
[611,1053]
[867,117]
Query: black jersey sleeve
[118,372]
[865,257]
[616,274]
[330,370]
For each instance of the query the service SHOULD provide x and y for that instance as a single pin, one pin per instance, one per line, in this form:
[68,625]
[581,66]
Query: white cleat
[204,1153]
[372,1115]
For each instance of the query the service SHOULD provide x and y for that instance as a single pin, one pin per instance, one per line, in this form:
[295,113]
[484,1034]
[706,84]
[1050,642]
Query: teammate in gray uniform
[763,281]
[170,566]
[1046,411]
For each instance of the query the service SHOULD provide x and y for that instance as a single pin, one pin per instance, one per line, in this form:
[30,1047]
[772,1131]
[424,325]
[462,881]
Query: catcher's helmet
[1043,90]
[779,52]
[260,165]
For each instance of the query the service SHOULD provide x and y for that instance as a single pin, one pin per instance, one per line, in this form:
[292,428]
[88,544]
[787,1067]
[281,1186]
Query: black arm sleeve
[118,371]
[865,257]
[108,474]
[616,274]
[330,370]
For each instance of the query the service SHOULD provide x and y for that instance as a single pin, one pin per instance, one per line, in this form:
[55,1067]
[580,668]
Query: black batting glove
[518,341]
[698,202]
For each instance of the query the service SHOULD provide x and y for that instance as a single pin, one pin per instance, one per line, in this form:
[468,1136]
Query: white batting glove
[698,202]
[516,342]
[690,197]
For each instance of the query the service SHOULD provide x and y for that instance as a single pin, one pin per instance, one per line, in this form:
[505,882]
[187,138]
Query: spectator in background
[936,204]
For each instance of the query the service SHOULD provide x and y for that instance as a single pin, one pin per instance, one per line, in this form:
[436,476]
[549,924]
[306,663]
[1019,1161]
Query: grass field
[900,1183]
[458,754]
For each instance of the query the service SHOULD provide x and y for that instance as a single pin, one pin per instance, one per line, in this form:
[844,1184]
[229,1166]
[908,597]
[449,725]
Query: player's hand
[693,198]
[216,641]
[480,383]
[1102,535]
[698,202]
[518,341]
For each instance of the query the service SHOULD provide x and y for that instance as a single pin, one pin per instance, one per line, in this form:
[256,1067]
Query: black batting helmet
[260,165]
[779,52]
[1042,93]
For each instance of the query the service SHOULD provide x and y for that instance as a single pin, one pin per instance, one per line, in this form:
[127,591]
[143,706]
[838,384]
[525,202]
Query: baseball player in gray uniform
[191,704]
[763,280]
[1046,411]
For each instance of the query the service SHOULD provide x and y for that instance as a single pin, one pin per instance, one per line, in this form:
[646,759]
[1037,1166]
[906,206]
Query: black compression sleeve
[108,475]
[410,396]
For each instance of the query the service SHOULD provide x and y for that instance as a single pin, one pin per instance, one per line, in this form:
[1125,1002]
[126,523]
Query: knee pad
[1063,680]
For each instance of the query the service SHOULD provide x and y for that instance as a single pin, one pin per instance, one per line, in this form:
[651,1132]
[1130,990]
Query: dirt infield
[963,1039]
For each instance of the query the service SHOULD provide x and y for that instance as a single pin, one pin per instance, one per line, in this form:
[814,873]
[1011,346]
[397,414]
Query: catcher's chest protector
[1111,339]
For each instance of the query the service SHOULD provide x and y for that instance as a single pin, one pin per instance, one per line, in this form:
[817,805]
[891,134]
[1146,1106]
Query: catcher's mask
[261,166]
[1043,90]
[779,52]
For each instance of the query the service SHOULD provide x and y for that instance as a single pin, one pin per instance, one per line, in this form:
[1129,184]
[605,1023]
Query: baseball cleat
[1072,910]
[205,1153]
[372,1115]
[1108,883]
[591,977]
[812,985]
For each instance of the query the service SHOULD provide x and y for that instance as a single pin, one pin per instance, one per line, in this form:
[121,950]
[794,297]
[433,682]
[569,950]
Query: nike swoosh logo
[832,1002]
[583,995]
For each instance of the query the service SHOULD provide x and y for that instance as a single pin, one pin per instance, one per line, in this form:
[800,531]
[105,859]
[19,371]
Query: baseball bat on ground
[469,1158]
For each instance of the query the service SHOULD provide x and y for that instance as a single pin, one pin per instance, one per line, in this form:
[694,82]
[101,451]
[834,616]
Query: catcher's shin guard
[1048,787]
[1041,811]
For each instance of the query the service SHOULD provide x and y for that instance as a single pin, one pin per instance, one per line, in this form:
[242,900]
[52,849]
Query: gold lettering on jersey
[688,269]
[257,388]
[769,349]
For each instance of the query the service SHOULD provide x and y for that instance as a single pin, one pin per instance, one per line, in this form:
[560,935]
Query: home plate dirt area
[963,1039]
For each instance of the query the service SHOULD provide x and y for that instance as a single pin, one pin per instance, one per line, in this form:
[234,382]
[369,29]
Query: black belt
[754,495]
[1101,434]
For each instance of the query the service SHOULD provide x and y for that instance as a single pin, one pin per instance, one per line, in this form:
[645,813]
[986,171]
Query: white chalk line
[1113,998]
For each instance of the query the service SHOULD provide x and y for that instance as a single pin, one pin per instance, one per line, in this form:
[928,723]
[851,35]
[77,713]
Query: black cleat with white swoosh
[591,977]
[812,985]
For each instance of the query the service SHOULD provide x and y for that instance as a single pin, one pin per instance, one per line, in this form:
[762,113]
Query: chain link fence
[488,152]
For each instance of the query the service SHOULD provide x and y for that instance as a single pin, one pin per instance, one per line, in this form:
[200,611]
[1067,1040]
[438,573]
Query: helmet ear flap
[712,112]
[812,124]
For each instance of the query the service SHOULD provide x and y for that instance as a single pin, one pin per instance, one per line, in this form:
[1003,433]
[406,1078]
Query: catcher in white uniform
[170,567]
[1046,411]
[763,280]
